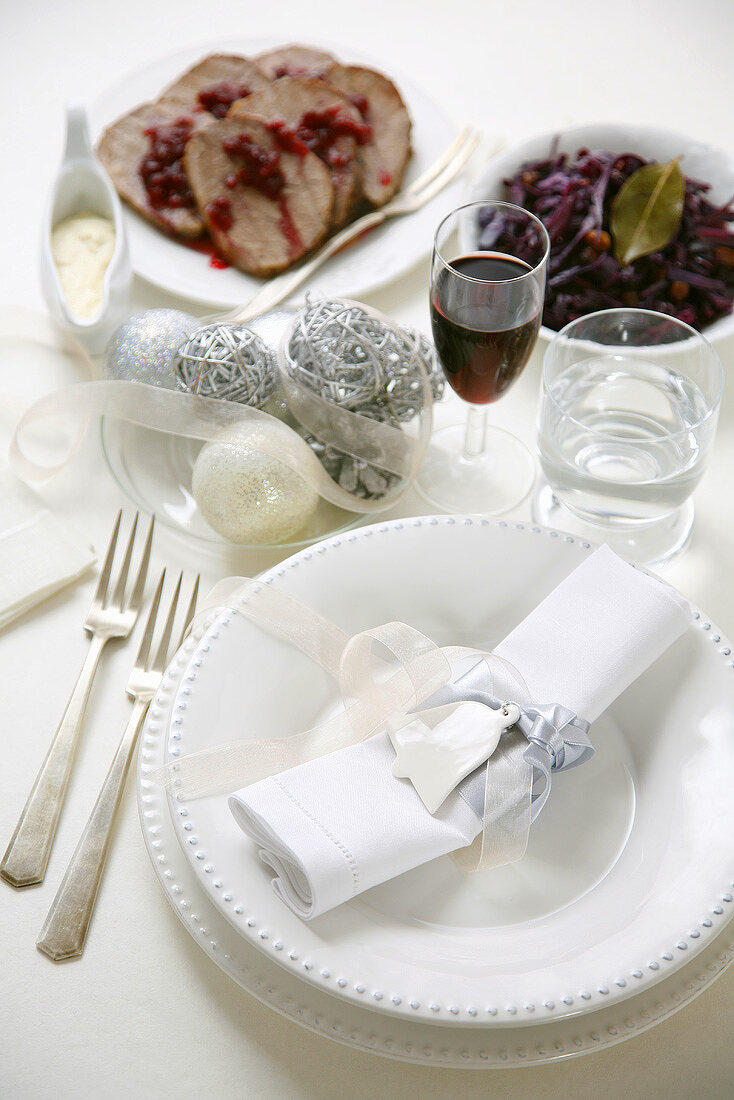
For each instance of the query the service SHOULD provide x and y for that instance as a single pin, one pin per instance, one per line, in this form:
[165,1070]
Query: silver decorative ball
[229,362]
[336,349]
[143,348]
[355,360]
[248,497]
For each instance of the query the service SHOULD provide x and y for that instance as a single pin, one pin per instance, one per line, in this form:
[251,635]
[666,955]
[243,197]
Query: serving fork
[65,929]
[110,616]
[437,176]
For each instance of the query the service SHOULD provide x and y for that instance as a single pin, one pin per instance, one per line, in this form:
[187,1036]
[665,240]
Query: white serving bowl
[699,161]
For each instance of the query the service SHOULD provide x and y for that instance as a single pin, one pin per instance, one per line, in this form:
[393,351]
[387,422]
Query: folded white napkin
[343,823]
[37,554]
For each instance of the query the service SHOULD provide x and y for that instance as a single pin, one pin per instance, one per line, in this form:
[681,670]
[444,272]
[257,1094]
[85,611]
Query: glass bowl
[154,470]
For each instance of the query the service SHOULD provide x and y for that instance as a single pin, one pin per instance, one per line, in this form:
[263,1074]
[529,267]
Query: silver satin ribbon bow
[510,789]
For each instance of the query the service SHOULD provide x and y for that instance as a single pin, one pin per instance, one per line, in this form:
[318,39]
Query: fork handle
[64,931]
[26,857]
[278,289]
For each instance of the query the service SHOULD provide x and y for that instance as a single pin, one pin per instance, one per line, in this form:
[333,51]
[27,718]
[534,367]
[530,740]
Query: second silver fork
[65,929]
[110,616]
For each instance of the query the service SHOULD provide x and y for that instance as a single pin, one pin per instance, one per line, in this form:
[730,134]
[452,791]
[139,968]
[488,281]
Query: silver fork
[437,176]
[65,929]
[26,857]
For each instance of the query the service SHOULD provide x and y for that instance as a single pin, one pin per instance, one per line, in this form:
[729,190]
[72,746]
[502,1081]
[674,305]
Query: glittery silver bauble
[229,362]
[248,497]
[143,348]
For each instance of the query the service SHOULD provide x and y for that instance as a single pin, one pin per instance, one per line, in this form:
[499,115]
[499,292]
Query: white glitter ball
[248,497]
[144,348]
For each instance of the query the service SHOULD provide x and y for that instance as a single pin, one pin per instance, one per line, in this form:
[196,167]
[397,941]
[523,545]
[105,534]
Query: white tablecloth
[145,1014]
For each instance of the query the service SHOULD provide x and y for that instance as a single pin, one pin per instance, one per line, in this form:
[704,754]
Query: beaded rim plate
[359,1027]
[377,259]
[354,1026]
[624,883]
[406,1040]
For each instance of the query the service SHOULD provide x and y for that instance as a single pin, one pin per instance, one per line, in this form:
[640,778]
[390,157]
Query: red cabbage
[692,278]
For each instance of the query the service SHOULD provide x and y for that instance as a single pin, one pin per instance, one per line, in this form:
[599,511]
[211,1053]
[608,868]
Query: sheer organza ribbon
[383,674]
[50,431]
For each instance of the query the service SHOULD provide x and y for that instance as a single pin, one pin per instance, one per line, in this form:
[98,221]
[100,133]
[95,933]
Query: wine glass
[487,290]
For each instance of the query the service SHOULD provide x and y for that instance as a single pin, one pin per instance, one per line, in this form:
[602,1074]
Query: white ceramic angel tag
[435,750]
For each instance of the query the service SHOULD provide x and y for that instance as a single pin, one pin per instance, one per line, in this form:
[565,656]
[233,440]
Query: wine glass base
[492,483]
[643,542]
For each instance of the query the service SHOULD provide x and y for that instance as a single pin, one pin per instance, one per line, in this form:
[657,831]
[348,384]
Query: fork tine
[191,609]
[144,652]
[104,576]
[440,163]
[119,593]
[450,171]
[136,598]
[159,661]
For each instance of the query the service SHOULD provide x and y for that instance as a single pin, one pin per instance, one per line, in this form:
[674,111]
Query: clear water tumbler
[627,419]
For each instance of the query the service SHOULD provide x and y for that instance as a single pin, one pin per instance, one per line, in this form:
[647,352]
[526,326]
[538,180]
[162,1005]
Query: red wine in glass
[483,332]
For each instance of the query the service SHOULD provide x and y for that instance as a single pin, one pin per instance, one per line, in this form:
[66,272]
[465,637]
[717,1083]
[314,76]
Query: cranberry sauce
[218,98]
[219,213]
[319,132]
[360,102]
[287,139]
[288,229]
[206,247]
[260,167]
[162,171]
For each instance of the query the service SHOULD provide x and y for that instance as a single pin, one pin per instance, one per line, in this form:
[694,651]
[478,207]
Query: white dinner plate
[404,1040]
[628,873]
[377,259]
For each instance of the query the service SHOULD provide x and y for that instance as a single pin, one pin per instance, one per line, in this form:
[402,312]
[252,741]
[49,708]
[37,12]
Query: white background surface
[144,1013]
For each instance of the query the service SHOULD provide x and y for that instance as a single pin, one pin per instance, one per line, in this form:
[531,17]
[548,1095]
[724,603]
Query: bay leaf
[647,210]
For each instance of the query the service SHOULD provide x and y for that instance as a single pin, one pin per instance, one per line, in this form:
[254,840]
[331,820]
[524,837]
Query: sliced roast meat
[216,82]
[294,60]
[143,154]
[263,206]
[309,110]
[384,159]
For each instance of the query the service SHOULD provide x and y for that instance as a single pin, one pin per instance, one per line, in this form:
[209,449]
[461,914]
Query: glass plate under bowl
[154,470]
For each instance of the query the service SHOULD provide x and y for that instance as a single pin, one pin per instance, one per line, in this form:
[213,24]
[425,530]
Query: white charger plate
[628,874]
[377,259]
[402,1040]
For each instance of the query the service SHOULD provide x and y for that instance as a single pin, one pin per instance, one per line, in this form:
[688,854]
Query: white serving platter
[382,256]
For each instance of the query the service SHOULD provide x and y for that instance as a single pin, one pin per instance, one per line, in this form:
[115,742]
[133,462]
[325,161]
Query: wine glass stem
[475,437]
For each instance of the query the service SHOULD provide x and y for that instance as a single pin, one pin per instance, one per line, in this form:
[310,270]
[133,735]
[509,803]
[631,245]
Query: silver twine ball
[336,349]
[229,362]
[341,352]
[143,348]
[347,356]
